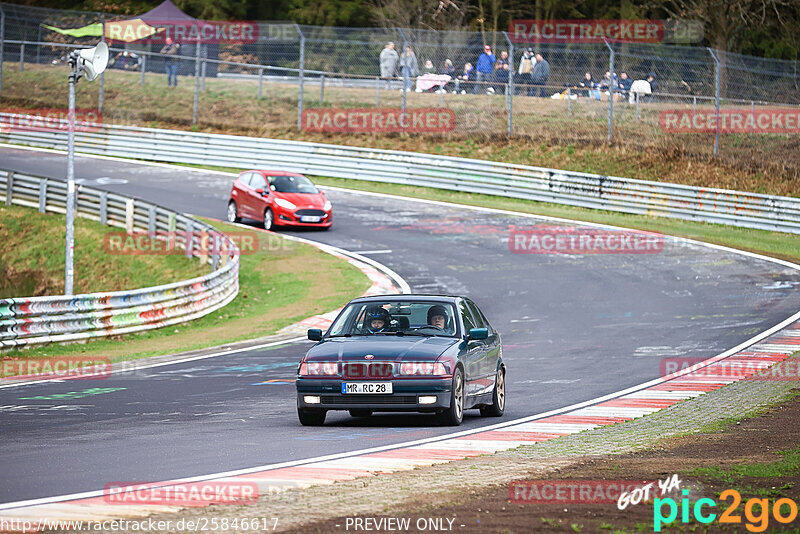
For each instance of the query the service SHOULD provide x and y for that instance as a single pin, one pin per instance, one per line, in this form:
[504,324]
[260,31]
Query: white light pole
[88,62]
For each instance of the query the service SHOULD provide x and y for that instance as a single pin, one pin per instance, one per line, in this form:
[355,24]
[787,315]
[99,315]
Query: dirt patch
[489,509]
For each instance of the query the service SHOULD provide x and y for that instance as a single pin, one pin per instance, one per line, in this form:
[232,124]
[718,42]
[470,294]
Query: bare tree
[430,14]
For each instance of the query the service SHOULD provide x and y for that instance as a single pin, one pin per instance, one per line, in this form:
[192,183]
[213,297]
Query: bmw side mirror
[477,333]
[315,334]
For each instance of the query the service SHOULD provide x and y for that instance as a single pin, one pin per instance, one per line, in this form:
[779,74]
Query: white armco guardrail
[736,208]
[26,321]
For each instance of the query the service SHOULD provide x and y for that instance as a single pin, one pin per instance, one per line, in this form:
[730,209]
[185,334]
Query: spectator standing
[484,67]
[171,49]
[501,72]
[388,63]
[541,72]
[526,70]
[409,65]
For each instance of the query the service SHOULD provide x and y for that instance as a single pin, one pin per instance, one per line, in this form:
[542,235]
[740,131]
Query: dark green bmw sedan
[401,353]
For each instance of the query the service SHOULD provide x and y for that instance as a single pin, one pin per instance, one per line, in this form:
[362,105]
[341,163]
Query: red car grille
[360,371]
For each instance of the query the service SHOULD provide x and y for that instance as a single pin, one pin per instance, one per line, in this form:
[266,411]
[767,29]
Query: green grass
[282,283]
[32,258]
[788,465]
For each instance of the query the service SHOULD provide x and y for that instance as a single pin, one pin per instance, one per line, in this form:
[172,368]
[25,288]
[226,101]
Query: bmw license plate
[310,218]
[384,388]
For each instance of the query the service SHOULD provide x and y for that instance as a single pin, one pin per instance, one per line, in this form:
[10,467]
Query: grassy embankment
[281,283]
[544,135]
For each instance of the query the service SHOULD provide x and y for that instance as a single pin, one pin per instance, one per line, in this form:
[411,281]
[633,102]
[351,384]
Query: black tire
[269,219]
[498,405]
[453,415]
[360,413]
[233,212]
[311,417]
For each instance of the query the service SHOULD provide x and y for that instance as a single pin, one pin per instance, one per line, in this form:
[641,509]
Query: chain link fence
[327,79]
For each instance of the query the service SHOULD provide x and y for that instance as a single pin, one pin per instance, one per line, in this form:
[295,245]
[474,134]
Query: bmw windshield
[396,318]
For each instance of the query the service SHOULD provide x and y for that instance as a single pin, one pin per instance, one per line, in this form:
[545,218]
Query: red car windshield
[292,184]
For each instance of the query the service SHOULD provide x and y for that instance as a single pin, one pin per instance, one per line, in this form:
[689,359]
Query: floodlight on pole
[87,62]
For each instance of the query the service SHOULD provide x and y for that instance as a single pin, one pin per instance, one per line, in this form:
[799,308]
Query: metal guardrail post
[510,85]
[636,97]
[189,238]
[196,82]
[321,89]
[151,220]
[716,98]
[752,115]
[22,56]
[104,208]
[378,91]
[610,90]
[43,195]
[144,68]
[130,209]
[9,187]
[260,82]
[301,75]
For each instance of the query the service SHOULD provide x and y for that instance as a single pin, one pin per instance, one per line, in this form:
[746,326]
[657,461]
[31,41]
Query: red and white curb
[772,347]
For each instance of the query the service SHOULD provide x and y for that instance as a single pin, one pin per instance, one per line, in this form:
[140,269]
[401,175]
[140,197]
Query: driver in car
[377,320]
[437,316]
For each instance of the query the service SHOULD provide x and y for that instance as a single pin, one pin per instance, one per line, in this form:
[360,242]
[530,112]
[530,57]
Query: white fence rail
[736,208]
[26,321]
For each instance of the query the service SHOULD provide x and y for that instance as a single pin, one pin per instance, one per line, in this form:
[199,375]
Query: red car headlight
[422,369]
[319,369]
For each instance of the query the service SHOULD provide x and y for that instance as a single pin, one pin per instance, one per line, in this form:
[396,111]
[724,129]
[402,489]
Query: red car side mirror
[262,192]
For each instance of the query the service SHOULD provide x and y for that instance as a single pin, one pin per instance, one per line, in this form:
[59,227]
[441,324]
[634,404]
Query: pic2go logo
[756,511]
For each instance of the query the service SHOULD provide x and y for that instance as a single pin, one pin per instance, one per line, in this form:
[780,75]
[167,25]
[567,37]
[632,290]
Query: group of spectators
[622,85]
[491,74]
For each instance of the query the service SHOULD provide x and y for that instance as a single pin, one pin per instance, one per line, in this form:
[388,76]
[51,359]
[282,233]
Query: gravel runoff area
[307,510]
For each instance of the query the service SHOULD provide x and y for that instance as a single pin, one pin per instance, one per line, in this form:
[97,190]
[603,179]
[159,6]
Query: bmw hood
[381,348]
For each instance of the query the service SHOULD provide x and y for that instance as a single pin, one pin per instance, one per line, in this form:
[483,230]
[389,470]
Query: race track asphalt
[574,327]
